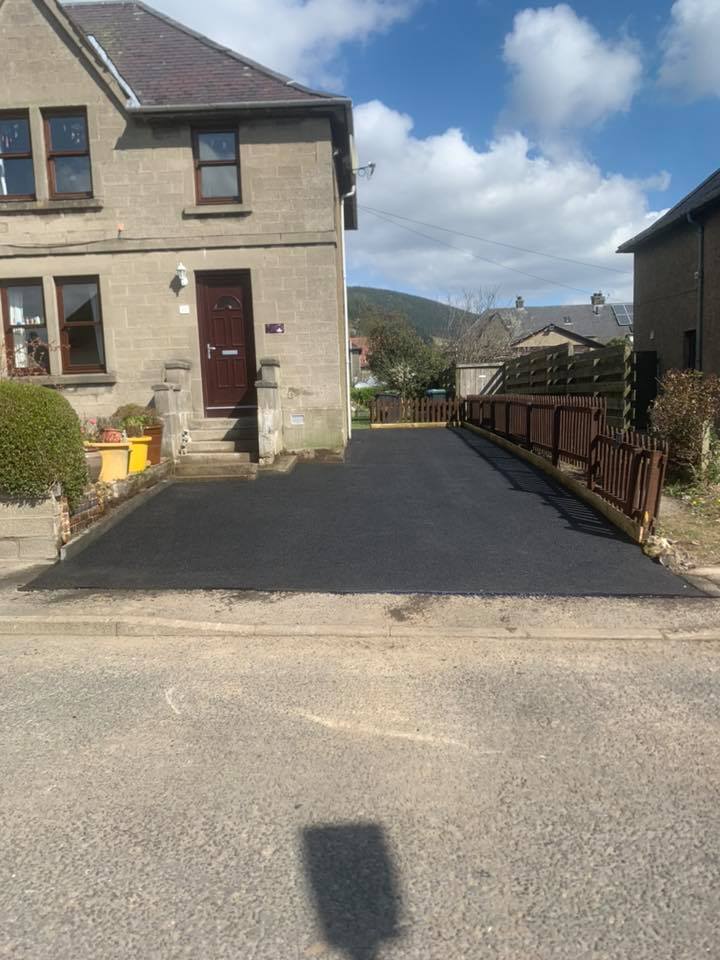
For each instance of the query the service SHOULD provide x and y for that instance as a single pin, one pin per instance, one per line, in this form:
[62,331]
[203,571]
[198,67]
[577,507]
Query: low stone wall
[104,496]
[30,530]
[33,531]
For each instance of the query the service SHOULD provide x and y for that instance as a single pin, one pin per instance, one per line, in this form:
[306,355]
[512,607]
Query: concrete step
[203,434]
[208,469]
[212,446]
[233,456]
[223,423]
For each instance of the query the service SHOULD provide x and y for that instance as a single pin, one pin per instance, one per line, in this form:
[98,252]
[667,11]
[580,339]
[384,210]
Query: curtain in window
[3,181]
[17,319]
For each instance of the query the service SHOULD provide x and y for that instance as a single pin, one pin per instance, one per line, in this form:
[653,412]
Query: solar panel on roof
[623,314]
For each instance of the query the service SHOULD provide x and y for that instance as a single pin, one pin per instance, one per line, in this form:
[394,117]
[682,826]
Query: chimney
[519,303]
[597,299]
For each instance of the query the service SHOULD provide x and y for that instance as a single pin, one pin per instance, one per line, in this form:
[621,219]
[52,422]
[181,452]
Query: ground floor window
[81,331]
[26,336]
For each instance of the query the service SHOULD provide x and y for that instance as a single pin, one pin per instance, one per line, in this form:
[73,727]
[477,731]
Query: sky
[562,129]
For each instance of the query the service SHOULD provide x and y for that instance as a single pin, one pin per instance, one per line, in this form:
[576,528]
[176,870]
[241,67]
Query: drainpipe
[348,372]
[700,276]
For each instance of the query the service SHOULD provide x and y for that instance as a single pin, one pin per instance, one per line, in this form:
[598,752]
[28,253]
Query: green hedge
[40,443]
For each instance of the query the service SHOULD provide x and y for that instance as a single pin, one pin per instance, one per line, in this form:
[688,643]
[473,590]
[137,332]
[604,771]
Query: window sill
[79,204]
[218,210]
[71,379]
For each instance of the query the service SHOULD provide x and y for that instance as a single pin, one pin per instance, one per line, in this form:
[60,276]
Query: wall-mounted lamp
[181,274]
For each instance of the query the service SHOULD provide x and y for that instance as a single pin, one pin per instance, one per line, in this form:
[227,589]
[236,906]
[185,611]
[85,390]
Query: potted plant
[154,430]
[114,448]
[143,425]
[93,457]
[110,430]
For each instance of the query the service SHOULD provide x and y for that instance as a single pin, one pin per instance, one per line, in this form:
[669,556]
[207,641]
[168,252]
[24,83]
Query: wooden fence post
[597,421]
[650,499]
[632,483]
[556,436]
[528,425]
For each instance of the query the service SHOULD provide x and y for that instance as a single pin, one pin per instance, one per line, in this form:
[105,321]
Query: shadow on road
[526,478]
[353,884]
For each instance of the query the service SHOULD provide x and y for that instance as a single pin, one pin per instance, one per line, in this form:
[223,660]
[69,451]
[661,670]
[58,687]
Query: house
[519,329]
[677,282]
[171,213]
[359,359]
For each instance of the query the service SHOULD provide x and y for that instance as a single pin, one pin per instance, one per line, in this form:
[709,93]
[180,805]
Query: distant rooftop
[597,321]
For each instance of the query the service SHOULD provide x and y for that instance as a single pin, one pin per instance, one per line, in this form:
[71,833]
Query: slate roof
[600,327]
[696,200]
[167,64]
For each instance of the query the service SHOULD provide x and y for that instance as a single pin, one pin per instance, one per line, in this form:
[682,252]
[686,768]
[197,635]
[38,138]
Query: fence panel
[625,468]
[394,410]
[607,373]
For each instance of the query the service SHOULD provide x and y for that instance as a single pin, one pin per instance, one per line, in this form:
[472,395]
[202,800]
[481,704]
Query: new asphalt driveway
[421,511]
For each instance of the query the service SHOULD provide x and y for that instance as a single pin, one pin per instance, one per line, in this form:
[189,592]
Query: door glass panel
[85,346]
[68,133]
[228,303]
[218,181]
[17,178]
[72,174]
[217,146]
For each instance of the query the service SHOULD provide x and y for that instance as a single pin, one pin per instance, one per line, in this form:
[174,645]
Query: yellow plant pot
[115,458]
[139,453]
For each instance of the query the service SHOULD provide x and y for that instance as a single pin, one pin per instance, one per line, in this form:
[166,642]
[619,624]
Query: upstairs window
[26,336]
[17,180]
[81,331]
[68,154]
[217,166]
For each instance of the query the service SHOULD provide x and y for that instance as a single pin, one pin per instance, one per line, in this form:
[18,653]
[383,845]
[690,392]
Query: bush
[40,443]
[363,395]
[132,418]
[688,402]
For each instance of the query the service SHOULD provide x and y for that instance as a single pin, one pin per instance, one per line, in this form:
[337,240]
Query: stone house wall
[143,220]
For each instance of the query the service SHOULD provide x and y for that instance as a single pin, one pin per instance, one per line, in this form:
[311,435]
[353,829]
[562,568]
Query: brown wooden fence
[626,469]
[607,373]
[426,410]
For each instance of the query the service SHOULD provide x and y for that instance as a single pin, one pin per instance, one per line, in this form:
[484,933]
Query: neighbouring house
[359,359]
[677,282]
[509,331]
[171,213]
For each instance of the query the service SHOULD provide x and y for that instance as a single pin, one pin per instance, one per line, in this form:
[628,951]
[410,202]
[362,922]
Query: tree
[402,360]
[476,331]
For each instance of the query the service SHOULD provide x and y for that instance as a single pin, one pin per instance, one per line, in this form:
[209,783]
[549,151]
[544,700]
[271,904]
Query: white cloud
[565,75]
[691,63]
[300,38]
[506,192]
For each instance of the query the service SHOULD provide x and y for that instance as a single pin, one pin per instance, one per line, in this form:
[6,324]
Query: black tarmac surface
[411,511]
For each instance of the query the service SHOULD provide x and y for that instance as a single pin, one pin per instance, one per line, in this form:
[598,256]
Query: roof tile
[167,64]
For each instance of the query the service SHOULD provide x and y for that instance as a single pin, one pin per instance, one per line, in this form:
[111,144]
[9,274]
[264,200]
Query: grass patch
[690,520]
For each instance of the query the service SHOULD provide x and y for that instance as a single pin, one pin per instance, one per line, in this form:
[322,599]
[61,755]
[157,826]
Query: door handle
[210,349]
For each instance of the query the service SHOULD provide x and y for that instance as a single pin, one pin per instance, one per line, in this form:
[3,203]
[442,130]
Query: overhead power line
[475,256]
[498,243]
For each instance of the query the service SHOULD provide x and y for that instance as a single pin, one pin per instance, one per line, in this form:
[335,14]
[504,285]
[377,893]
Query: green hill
[364,303]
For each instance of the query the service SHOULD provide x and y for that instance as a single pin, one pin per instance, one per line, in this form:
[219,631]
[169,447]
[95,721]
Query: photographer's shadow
[353,885]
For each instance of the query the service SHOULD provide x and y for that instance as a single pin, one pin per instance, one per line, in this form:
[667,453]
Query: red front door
[227,343]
